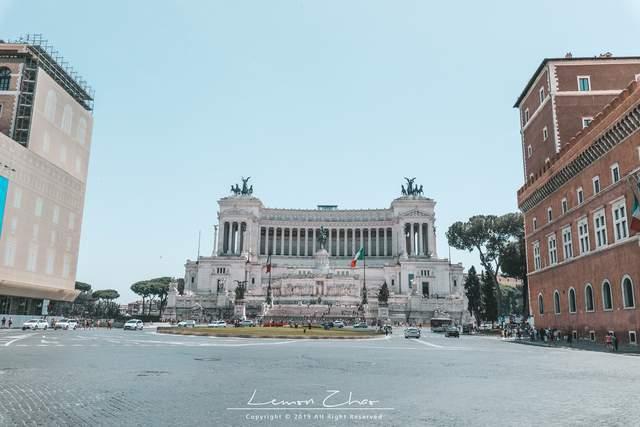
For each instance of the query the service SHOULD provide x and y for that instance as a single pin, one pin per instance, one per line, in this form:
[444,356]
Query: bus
[440,324]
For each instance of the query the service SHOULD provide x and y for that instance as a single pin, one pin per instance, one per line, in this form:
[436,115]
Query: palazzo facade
[310,251]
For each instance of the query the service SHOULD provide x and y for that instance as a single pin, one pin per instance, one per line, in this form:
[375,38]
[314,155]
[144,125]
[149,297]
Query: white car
[338,324]
[64,324]
[218,324]
[73,324]
[187,324]
[134,324]
[35,324]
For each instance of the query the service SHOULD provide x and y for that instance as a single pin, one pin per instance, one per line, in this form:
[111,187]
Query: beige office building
[45,140]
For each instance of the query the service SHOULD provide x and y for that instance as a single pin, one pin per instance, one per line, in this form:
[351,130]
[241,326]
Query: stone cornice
[582,152]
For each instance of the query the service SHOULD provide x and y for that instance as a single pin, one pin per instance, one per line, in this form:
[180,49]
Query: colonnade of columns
[342,241]
[417,239]
[233,237]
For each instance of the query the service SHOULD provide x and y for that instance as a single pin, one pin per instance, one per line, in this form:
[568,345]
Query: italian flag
[359,256]
[635,215]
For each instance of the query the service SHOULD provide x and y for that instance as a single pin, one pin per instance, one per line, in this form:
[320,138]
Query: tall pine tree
[489,298]
[474,295]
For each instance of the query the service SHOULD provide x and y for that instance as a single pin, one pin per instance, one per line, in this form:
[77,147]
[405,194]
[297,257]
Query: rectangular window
[536,256]
[583,236]
[39,204]
[632,338]
[535,224]
[72,220]
[17,197]
[615,173]
[580,195]
[596,184]
[549,214]
[553,250]
[567,244]
[620,220]
[529,151]
[56,214]
[600,225]
[565,206]
[584,83]
[586,121]
[545,134]
[526,116]
[592,335]
[541,93]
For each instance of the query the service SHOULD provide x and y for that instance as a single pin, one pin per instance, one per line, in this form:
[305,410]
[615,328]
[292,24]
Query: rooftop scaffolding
[54,64]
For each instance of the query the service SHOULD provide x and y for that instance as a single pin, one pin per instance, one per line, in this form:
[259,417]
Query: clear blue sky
[320,102]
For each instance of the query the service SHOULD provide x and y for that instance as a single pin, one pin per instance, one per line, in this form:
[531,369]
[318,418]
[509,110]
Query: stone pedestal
[383,312]
[240,310]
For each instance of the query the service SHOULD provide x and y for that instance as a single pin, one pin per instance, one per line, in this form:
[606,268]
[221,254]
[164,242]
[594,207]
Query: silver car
[412,333]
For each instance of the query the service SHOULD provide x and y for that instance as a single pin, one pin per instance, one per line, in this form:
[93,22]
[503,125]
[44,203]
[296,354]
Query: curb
[206,334]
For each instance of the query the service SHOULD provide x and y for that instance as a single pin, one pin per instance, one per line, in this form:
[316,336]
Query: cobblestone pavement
[101,377]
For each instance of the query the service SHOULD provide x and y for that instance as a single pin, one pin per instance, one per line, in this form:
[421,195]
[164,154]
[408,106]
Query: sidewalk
[577,345]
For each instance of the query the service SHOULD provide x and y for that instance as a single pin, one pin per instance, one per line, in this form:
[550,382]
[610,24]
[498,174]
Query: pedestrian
[615,342]
[608,342]
[4,320]
[10,322]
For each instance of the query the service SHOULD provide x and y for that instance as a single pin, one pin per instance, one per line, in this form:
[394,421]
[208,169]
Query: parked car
[246,322]
[187,324]
[34,324]
[65,324]
[338,324]
[361,325]
[452,331]
[218,324]
[134,324]
[412,332]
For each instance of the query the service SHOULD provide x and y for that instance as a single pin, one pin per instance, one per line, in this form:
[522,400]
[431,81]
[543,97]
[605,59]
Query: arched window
[588,297]
[540,304]
[572,300]
[607,302]
[5,78]
[50,106]
[556,302]
[627,293]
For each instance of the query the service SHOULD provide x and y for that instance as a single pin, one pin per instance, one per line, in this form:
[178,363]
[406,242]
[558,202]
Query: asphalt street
[102,377]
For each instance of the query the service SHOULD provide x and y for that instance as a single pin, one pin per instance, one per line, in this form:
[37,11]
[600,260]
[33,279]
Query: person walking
[10,322]
[615,342]
[4,320]
[608,342]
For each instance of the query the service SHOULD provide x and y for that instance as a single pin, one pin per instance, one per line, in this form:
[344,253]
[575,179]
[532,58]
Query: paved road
[102,377]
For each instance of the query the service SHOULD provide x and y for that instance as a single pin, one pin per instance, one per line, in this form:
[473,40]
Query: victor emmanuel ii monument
[296,263]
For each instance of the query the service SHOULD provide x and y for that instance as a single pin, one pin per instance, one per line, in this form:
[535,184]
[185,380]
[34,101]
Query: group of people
[611,341]
[4,322]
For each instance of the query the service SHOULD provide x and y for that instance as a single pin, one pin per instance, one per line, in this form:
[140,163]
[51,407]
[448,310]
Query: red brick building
[580,139]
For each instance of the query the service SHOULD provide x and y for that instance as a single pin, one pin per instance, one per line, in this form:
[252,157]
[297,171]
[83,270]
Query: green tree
[106,306]
[83,287]
[490,235]
[489,300]
[515,266]
[474,295]
[160,289]
[143,289]
[383,294]
[511,300]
